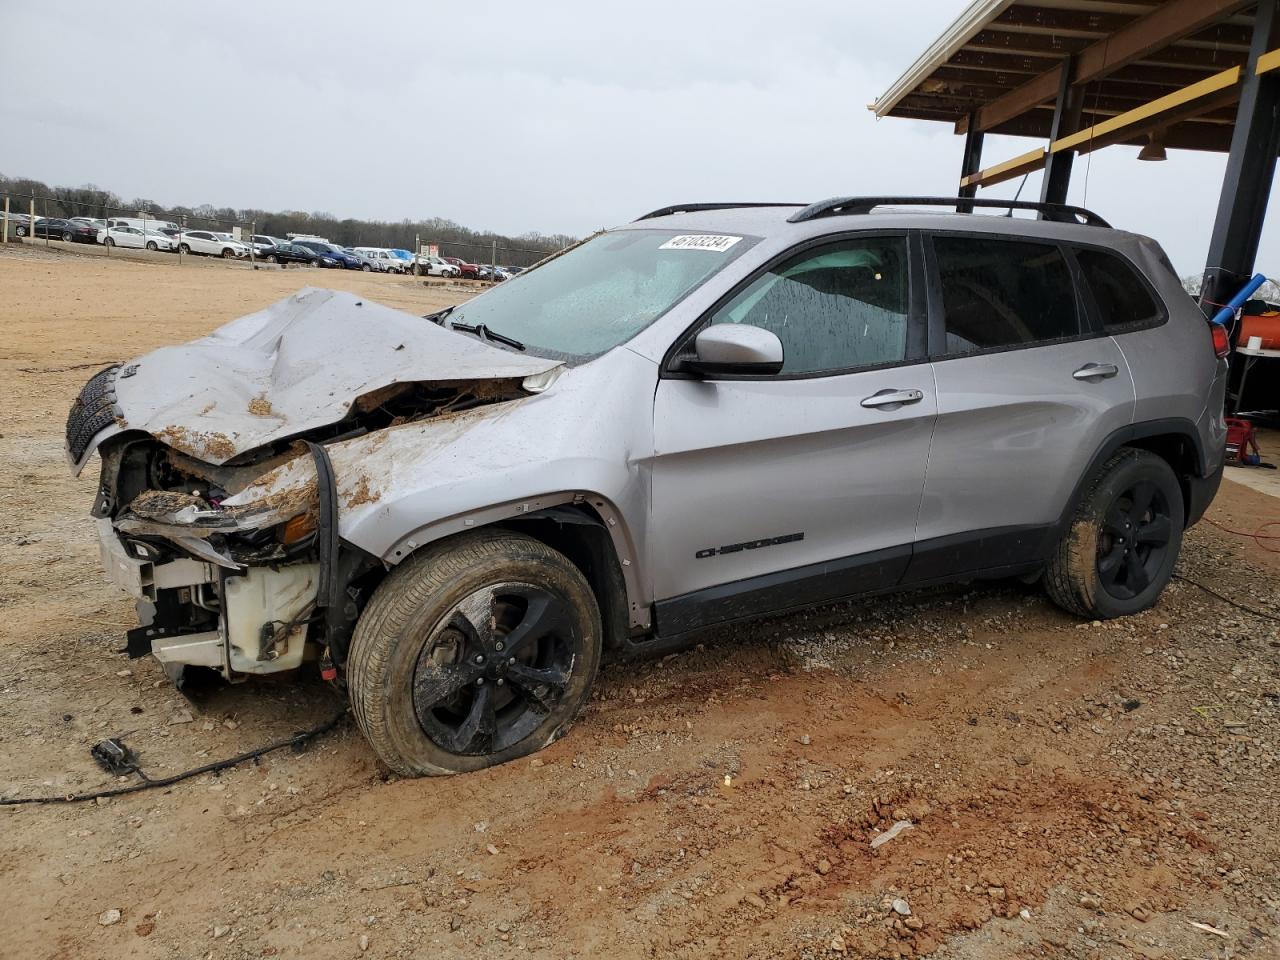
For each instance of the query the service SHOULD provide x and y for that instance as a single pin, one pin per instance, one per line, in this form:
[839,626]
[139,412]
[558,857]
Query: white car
[133,237]
[435,267]
[211,244]
[390,262]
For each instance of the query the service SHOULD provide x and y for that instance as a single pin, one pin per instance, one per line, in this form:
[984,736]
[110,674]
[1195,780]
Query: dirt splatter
[361,493]
[260,406]
[206,446]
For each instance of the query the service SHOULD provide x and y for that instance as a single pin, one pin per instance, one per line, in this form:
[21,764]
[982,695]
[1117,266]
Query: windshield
[603,292]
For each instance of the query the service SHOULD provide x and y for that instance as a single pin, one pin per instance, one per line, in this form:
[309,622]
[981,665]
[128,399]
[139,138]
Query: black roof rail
[844,206]
[696,207]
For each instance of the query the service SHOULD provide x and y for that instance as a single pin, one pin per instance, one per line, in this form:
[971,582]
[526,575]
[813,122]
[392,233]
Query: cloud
[552,117]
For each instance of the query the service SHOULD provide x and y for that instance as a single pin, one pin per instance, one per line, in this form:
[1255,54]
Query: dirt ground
[1075,790]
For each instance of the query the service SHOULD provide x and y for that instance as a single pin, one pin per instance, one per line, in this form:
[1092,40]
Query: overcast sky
[557,117]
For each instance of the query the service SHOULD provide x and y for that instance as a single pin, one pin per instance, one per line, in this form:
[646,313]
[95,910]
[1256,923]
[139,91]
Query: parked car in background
[434,266]
[121,236]
[263,245]
[367,263]
[515,271]
[95,222]
[468,271]
[390,263]
[286,252]
[55,228]
[211,244]
[332,251]
[148,224]
[404,256]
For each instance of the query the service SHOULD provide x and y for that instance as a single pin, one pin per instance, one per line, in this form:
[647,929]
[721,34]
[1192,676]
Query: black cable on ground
[296,741]
[1226,599]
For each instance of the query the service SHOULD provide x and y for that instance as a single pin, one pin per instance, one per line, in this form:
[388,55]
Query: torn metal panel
[300,364]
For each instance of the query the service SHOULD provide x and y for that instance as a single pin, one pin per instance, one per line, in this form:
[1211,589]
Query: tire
[184,249]
[109,242]
[272,258]
[228,253]
[366,268]
[1119,552]
[430,620]
[152,246]
[67,236]
[20,231]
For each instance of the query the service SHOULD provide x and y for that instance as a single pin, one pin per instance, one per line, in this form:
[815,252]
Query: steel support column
[971,162]
[1251,167]
[1066,120]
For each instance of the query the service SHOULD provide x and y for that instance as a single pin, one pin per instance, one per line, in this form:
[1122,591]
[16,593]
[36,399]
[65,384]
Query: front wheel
[21,231]
[1118,554]
[473,652]
[272,258]
[366,268]
[67,236]
[152,246]
[228,253]
[184,249]
[110,242]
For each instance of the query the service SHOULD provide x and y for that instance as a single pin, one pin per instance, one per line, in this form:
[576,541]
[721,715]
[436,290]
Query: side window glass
[1121,296]
[1003,293]
[834,307]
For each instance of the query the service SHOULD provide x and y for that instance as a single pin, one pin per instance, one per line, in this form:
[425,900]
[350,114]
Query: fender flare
[611,518]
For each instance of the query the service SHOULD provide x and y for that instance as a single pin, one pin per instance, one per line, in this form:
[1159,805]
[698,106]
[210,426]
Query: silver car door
[1027,392]
[776,491]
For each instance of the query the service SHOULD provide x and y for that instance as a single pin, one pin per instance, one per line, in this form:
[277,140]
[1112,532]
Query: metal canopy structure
[1080,75]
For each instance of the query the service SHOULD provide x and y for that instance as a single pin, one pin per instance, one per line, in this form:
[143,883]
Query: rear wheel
[21,231]
[473,652]
[1119,552]
[366,268]
[67,236]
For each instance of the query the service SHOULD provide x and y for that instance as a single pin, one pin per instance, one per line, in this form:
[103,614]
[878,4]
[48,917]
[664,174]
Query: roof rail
[696,207]
[845,206]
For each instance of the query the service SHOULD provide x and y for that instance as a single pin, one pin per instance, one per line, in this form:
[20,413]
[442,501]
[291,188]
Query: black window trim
[1089,326]
[1086,291]
[917,315]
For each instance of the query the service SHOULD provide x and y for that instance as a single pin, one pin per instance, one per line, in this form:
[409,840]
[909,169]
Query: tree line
[454,239]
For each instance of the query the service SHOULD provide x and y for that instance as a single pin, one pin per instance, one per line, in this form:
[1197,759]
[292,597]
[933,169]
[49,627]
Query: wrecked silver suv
[712,413]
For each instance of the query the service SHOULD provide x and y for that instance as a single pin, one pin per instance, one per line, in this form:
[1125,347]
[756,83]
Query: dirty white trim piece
[962,30]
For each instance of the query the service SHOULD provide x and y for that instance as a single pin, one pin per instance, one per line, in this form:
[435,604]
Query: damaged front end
[224,524]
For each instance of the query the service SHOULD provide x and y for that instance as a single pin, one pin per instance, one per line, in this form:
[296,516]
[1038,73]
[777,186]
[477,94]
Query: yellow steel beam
[1269,61]
[1031,160]
[1148,111]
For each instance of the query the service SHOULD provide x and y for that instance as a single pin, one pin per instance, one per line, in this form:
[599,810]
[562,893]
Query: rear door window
[1121,296]
[1000,293]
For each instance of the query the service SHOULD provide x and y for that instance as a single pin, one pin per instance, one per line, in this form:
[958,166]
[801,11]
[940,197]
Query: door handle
[1096,371]
[889,398]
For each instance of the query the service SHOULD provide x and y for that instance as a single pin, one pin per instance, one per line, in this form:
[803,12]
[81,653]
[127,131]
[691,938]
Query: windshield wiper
[483,331]
[439,315]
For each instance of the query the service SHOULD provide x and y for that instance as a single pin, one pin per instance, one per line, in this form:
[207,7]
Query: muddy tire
[473,652]
[184,249]
[1119,552]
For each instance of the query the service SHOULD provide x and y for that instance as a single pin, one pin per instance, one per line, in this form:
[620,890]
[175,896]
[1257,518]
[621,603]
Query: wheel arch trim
[610,519]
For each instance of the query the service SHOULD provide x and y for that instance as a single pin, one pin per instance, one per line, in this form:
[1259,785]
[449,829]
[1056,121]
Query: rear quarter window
[1123,300]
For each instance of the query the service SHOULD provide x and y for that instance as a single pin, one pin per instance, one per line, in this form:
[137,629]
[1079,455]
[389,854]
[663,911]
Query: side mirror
[736,349]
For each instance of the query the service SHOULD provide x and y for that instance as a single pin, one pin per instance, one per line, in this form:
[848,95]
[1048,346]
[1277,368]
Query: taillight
[1221,341]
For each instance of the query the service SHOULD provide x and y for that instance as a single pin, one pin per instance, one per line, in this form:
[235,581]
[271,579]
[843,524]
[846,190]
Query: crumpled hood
[298,365]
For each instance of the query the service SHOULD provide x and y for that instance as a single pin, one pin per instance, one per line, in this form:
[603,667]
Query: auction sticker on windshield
[700,241]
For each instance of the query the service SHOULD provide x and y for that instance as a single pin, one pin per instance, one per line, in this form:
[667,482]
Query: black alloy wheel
[499,666]
[1134,540]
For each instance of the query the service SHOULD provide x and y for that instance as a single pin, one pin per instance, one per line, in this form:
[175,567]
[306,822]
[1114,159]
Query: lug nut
[479,658]
[512,660]
[500,681]
[479,681]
